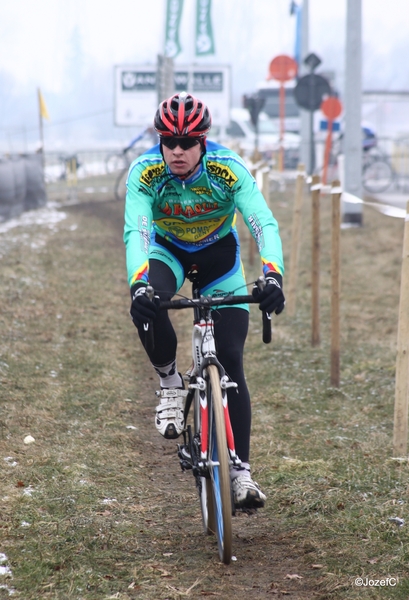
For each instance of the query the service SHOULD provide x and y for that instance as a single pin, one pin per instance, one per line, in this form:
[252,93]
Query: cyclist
[180,213]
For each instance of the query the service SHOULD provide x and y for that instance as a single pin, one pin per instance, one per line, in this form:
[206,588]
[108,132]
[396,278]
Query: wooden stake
[335,283]
[315,282]
[400,426]
[295,241]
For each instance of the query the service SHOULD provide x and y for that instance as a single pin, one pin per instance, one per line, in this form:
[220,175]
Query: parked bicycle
[208,448]
[377,171]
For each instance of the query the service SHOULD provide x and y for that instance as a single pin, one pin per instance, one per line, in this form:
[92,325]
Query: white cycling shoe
[246,492]
[169,419]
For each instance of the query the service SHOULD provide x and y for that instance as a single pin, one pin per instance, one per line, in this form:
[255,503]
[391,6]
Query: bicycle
[121,161]
[208,449]
[377,172]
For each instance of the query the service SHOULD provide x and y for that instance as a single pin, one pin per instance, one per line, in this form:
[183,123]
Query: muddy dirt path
[269,559]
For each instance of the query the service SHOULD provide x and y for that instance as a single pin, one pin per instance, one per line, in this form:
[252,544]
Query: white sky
[35,35]
[68,49]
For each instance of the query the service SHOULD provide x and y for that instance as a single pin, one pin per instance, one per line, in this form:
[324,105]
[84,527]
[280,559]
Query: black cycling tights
[230,327]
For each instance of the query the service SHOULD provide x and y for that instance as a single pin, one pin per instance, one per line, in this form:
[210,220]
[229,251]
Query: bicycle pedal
[185,465]
[184,458]
[246,511]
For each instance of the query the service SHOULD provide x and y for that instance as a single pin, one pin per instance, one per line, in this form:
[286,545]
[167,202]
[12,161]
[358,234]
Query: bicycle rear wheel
[219,467]
[377,176]
[204,485]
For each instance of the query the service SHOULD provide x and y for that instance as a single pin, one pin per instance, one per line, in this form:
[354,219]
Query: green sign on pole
[173,16]
[204,32]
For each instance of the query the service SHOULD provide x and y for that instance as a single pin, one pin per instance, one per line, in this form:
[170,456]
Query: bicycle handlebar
[210,301]
[206,302]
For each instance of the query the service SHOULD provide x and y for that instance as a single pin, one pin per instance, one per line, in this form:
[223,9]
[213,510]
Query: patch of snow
[49,215]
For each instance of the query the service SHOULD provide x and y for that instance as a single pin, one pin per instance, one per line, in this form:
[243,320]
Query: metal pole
[40,116]
[305,128]
[312,145]
[352,213]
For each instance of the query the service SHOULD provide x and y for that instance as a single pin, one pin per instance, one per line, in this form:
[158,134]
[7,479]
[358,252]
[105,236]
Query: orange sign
[331,107]
[283,68]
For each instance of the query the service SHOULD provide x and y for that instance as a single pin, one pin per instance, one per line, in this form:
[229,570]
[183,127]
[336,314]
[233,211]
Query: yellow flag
[42,106]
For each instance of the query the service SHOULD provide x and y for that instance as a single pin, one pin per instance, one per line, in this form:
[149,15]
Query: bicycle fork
[204,352]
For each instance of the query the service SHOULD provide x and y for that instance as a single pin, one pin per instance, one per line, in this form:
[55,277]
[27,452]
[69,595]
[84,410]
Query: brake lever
[261,284]
[148,327]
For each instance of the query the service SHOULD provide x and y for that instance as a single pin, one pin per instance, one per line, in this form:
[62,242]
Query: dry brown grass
[94,509]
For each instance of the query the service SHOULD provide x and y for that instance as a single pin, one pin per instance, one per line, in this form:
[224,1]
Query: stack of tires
[21,185]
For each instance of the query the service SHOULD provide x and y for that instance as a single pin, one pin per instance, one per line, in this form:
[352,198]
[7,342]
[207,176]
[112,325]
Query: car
[241,134]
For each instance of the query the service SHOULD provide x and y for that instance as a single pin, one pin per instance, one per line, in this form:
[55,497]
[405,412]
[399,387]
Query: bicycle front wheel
[203,484]
[219,467]
[377,176]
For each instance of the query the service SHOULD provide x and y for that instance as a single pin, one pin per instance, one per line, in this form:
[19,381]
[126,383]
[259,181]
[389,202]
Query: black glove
[143,310]
[271,298]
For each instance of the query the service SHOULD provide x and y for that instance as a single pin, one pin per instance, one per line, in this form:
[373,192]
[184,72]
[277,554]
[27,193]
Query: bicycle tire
[377,176]
[120,185]
[219,467]
[204,486]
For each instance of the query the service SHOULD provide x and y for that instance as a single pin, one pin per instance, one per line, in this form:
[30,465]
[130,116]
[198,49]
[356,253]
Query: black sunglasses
[183,142]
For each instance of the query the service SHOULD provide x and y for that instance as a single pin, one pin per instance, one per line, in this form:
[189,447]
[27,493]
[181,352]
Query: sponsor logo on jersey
[143,190]
[218,293]
[151,172]
[223,172]
[257,230]
[190,232]
[188,210]
[201,190]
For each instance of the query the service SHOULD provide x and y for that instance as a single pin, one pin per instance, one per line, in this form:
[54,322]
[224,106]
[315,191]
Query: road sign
[313,61]
[324,125]
[310,91]
[136,91]
[331,107]
[283,68]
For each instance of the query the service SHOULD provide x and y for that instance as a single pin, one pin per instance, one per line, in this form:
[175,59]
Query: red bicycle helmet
[182,114]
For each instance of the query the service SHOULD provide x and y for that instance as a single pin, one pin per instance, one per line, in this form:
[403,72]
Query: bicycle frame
[210,447]
[204,353]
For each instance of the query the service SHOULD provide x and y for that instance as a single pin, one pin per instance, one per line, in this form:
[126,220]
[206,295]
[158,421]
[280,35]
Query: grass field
[97,507]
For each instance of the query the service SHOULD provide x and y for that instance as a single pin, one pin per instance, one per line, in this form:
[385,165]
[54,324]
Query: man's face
[181,161]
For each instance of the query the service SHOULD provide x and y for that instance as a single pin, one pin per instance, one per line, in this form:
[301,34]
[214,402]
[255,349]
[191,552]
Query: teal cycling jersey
[197,212]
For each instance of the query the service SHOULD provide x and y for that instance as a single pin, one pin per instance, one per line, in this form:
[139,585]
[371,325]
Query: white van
[241,134]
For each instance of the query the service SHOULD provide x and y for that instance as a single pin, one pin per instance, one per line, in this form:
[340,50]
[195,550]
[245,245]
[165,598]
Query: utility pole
[305,129]
[165,77]
[352,213]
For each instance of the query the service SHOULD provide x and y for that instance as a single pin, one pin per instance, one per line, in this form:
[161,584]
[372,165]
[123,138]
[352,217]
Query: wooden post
[400,426]
[315,281]
[335,283]
[295,241]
